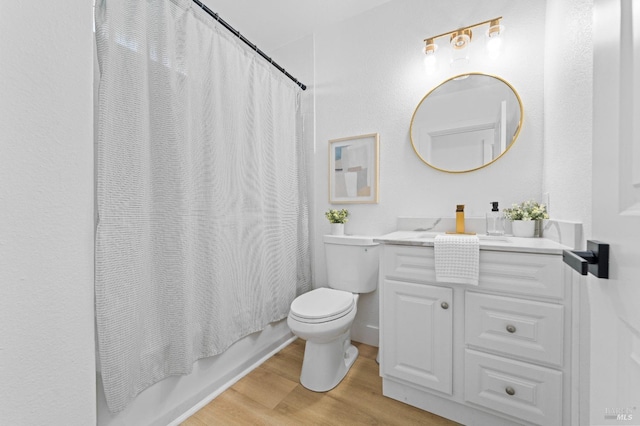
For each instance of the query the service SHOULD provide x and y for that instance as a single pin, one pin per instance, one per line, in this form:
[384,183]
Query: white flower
[528,210]
[337,216]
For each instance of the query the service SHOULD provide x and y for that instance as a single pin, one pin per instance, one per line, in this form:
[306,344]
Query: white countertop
[487,242]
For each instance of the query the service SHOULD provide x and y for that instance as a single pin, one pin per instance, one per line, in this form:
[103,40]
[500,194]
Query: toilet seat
[322,305]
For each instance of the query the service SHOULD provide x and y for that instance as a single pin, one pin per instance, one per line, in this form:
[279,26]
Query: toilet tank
[352,263]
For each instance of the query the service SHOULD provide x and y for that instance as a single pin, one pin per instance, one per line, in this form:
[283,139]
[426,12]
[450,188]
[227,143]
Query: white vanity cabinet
[498,353]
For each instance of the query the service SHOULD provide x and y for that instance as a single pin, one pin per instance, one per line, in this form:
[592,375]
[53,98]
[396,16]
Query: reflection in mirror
[466,123]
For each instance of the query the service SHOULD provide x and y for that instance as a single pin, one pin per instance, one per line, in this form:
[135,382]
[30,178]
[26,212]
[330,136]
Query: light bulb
[495,40]
[430,63]
[430,56]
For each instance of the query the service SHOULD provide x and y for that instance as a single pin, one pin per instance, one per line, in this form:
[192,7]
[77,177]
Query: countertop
[487,242]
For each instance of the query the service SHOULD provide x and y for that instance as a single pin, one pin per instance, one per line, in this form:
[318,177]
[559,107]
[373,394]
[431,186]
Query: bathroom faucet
[460,219]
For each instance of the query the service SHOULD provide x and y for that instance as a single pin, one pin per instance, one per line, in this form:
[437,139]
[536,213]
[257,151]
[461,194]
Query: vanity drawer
[509,272]
[519,327]
[410,263]
[526,391]
[522,273]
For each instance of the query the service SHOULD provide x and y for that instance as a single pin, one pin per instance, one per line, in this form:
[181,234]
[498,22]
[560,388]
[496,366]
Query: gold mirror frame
[513,140]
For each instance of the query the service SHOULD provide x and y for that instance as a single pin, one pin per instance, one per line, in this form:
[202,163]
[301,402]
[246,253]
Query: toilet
[323,317]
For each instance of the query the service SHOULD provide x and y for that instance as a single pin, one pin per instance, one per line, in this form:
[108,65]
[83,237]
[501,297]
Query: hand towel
[457,259]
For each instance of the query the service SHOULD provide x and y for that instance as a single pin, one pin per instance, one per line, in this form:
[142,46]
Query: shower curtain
[202,233]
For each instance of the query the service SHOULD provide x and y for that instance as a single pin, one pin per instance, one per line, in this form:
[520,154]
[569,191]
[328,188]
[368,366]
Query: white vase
[523,228]
[337,229]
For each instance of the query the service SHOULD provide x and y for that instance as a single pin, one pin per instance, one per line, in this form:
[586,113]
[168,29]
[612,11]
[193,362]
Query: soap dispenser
[495,220]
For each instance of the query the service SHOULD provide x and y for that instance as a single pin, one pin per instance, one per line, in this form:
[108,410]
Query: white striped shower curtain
[202,233]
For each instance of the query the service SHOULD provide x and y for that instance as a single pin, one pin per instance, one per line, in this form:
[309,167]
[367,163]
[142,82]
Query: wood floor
[272,395]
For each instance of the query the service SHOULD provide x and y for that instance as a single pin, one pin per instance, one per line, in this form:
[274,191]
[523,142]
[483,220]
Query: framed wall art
[353,169]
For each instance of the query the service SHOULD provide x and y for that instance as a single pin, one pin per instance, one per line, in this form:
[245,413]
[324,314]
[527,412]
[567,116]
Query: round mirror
[466,123]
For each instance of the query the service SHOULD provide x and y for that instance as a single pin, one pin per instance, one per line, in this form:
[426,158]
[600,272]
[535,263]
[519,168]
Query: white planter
[337,229]
[523,228]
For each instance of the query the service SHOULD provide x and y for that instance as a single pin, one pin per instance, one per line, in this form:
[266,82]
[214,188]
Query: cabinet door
[417,334]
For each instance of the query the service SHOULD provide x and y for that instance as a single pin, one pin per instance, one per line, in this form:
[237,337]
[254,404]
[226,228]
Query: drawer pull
[511,328]
[510,391]
[444,305]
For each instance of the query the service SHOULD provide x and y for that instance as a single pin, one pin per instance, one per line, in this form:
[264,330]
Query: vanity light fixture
[430,57]
[495,36]
[461,38]
[460,46]
[430,47]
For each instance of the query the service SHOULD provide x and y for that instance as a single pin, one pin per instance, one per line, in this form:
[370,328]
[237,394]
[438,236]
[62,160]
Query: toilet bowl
[328,353]
[323,317]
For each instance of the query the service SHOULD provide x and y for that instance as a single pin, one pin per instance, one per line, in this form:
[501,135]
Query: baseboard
[365,333]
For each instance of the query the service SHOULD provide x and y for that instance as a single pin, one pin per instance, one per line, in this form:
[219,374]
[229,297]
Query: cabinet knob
[444,305]
[511,328]
[510,391]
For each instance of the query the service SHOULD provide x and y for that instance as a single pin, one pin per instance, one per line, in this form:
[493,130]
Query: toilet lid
[322,303]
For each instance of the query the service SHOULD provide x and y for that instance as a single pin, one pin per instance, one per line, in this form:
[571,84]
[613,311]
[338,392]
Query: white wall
[47,369]
[568,107]
[369,77]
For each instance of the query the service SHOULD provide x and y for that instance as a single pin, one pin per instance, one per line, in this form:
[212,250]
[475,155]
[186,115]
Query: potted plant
[525,217]
[337,218]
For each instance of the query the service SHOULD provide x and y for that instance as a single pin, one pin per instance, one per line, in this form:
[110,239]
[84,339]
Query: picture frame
[354,169]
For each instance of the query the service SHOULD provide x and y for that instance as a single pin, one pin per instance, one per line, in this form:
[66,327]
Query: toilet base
[325,364]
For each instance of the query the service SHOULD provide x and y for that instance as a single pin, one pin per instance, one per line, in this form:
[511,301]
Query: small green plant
[528,210]
[337,216]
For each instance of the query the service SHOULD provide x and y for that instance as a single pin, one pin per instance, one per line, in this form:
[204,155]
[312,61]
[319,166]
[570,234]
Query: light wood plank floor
[272,395]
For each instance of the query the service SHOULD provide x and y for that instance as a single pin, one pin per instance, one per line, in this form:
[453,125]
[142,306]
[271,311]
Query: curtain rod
[244,39]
